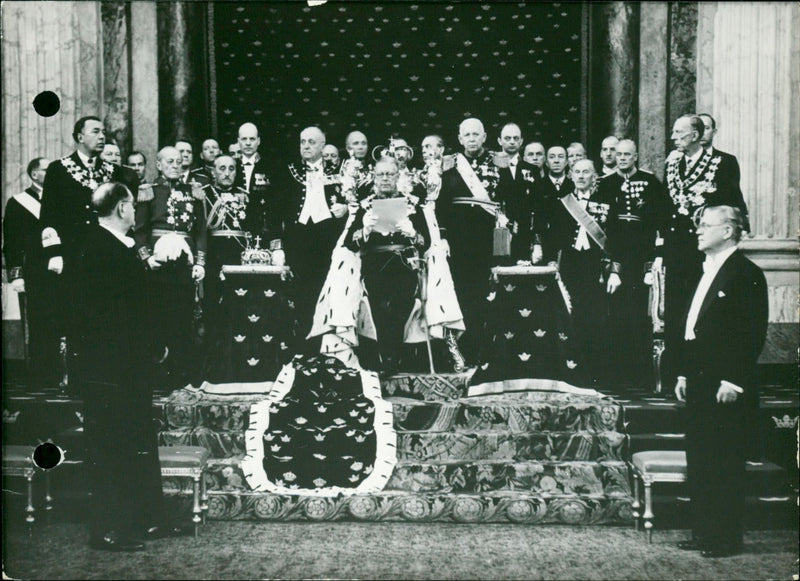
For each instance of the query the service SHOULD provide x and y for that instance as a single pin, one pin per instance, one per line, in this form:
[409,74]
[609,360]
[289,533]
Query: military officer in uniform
[695,177]
[468,208]
[315,215]
[226,211]
[639,208]
[579,245]
[208,153]
[170,235]
[608,155]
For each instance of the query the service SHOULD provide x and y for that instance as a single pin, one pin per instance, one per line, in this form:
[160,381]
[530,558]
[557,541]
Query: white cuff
[732,386]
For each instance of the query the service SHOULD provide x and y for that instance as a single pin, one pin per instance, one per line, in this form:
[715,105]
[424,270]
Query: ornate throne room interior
[158,71]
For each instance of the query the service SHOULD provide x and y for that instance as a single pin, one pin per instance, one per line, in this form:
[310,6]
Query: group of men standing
[494,208]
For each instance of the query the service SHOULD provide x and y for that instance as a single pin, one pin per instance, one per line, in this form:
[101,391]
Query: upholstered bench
[18,461]
[188,462]
[649,467]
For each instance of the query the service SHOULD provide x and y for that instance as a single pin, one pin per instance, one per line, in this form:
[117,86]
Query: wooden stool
[188,462]
[649,467]
[18,461]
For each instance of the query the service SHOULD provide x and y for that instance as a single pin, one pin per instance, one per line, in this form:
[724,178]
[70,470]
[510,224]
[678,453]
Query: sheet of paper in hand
[390,212]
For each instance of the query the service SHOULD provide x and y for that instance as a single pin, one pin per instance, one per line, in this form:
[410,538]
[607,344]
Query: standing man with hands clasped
[724,332]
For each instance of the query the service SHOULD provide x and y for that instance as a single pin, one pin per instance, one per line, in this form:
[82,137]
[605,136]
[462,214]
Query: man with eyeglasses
[723,334]
[116,353]
[694,177]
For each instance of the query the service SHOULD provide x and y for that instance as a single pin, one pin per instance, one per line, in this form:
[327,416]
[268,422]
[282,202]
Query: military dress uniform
[201,175]
[468,224]
[584,267]
[265,206]
[310,232]
[227,226]
[640,206]
[712,180]
[522,208]
[175,208]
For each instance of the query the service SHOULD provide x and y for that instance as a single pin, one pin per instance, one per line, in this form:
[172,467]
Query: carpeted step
[426,387]
[502,446]
[579,478]
[513,412]
[520,507]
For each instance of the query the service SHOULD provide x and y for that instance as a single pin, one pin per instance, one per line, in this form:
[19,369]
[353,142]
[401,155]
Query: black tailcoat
[114,359]
[729,335]
[712,180]
[308,246]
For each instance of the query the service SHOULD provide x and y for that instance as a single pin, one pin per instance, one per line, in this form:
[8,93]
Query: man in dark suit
[114,358]
[257,178]
[724,333]
[314,216]
[515,192]
[28,275]
[729,163]
[694,178]
[111,154]
[67,212]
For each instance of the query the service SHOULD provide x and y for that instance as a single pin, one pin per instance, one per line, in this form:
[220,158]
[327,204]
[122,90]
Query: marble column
[682,62]
[653,53]
[144,80]
[615,72]
[182,71]
[748,78]
[116,85]
[53,46]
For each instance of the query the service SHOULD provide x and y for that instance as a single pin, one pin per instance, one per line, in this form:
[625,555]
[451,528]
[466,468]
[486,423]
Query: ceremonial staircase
[526,457]
[530,457]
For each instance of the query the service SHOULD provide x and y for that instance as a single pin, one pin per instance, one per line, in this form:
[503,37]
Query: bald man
[640,206]
[173,212]
[256,177]
[315,212]
[467,209]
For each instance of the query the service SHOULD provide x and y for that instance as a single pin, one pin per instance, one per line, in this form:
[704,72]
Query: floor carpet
[342,550]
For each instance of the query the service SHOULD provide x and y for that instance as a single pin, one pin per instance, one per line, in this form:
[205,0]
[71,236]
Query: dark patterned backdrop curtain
[397,67]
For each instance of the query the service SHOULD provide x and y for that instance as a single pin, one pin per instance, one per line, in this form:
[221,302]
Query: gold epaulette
[145,193]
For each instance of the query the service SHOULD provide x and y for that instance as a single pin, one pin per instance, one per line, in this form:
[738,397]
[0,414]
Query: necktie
[248,163]
[558,186]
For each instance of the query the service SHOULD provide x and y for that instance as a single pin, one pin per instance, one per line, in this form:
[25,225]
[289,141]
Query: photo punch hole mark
[47,456]
[46,103]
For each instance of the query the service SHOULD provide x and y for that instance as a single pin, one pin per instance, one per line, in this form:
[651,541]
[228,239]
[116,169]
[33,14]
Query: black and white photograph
[410,289]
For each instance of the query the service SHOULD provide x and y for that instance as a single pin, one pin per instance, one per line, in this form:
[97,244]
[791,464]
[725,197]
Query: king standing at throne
[170,235]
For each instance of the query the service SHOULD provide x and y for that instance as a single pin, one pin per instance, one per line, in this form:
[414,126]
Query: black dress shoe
[162,532]
[693,545]
[112,541]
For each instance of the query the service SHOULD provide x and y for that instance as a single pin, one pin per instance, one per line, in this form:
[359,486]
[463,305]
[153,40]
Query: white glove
[613,283]
[154,263]
[198,272]
[406,228]
[56,264]
[537,254]
[18,285]
[369,222]
[680,389]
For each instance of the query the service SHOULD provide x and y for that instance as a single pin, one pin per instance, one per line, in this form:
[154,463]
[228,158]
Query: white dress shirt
[711,267]
[557,182]
[512,165]
[86,160]
[249,164]
[315,206]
